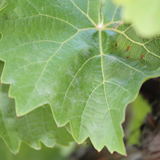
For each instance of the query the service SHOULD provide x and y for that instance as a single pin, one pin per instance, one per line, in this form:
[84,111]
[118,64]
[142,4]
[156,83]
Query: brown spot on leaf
[141,57]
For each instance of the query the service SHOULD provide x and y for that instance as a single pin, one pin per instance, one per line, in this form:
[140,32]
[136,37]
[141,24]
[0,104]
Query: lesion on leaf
[4,16]
[1,35]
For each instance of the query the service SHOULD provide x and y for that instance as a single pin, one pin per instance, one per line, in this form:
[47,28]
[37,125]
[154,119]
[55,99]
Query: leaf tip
[125,155]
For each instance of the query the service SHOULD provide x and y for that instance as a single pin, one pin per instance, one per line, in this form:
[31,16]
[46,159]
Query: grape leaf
[32,128]
[79,58]
[144,14]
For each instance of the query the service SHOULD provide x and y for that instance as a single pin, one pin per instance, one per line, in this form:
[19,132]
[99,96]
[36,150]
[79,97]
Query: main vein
[102,67]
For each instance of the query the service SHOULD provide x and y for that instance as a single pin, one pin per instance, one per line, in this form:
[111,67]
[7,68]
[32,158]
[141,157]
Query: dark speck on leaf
[5,17]
[141,57]
[115,46]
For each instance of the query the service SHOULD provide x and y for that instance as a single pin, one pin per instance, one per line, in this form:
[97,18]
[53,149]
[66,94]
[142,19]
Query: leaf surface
[3,4]
[79,58]
[32,128]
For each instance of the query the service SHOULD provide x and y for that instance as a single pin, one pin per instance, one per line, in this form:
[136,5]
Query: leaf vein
[86,105]
[84,14]
[33,6]
[118,86]
[32,42]
[59,20]
[126,64]
[74,79]
[141,44]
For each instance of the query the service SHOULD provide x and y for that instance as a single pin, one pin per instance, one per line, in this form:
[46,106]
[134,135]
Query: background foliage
[144,14]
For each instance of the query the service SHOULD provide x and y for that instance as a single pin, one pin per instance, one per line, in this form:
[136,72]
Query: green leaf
[27,153]
[139,110]
[144,14]
[71,55]
[32,128]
